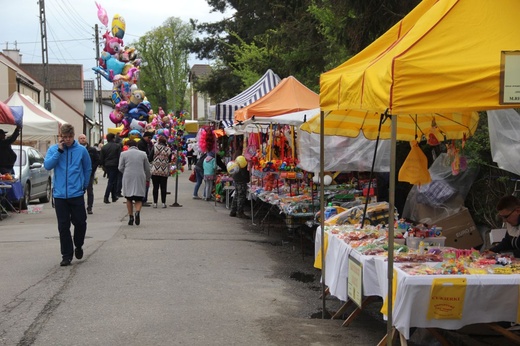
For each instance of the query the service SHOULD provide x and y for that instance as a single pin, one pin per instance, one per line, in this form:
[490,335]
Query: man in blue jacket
[72,169]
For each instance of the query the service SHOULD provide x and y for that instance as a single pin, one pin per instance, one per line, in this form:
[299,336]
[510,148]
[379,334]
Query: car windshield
[24,158]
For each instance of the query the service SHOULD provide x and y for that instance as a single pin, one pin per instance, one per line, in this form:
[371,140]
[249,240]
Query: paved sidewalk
[190,275]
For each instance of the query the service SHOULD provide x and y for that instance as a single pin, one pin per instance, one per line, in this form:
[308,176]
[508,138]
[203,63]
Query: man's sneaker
[78,253]
[89,211]
[65,262]
[196,197]
[155,205]
[164,205]
[146,204]
[233,213]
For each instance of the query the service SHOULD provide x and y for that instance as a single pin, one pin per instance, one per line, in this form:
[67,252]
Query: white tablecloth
[336,267]
[489,298]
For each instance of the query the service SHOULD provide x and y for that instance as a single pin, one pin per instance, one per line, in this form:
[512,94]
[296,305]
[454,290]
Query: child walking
[209,165]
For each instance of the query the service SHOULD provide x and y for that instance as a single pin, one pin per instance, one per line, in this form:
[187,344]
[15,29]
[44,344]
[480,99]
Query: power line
[54,41]
[70,19]
[78,16]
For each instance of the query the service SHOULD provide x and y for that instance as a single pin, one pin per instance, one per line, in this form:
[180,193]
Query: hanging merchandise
[457,159]
[415,167]
[253,144]
[206,139]
[435,135]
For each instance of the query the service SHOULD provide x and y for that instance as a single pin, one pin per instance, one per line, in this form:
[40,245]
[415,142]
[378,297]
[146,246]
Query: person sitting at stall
[7,154]
[508,208]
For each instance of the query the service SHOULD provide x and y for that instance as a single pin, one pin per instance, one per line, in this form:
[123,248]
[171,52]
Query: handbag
[193,177]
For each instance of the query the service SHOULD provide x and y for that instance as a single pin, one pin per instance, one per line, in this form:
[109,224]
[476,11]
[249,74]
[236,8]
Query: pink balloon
[166,132]
[116,117]
[102,14]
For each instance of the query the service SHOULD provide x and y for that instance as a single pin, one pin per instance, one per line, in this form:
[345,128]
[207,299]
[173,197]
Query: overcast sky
[70,26]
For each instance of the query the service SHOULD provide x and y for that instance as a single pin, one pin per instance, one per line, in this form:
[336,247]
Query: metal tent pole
[175,204]
[391,220]
[322,211]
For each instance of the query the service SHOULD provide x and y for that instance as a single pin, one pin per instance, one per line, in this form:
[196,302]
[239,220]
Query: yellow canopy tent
[350,123]
[446,56]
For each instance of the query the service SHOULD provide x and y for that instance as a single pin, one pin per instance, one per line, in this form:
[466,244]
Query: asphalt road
[189,275]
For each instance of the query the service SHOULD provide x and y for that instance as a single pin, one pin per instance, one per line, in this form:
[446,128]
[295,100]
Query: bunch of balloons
[119,65]
[234,166]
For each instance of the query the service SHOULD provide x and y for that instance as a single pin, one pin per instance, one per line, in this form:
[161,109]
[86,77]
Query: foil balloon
[232,167]
[133,134]
[116,117]
[102,15]
[241,161]
[118,26]
[137,125]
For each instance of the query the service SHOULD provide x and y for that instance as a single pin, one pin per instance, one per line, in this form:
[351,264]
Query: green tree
[302,38]
[165,70]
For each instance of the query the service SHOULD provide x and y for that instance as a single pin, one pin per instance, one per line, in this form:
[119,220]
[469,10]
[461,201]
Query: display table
[15,192]
[229,189]
[336,273]
[488,297]
[10,191]
[4,200]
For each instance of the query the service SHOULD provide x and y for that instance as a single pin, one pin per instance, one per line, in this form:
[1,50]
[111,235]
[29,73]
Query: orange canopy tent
[287,97]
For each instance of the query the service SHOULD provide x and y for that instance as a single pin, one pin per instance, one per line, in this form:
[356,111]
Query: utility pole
[45,57]
[99,91]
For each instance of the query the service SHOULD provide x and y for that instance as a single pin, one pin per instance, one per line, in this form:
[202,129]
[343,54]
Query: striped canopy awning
[225,111]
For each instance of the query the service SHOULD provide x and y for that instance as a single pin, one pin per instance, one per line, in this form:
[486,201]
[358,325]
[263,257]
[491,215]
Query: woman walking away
[160,158]
[134,166]
[209,165]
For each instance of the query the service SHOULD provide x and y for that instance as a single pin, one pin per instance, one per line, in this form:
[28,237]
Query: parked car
[35,179]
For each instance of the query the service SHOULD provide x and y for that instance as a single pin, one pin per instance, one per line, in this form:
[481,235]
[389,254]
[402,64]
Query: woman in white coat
[134,165]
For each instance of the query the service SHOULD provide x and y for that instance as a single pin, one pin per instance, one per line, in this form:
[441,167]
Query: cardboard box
[460,230]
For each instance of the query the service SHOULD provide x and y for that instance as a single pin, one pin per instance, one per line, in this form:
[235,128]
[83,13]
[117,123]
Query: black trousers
[90,192]
[71,210]
[159,182]
[111,189]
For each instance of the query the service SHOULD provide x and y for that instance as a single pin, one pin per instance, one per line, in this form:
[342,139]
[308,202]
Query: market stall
[38,123]
[422,66]
[269,128]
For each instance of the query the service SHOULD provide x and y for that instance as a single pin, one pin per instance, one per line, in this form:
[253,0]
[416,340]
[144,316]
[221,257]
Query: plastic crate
[413,242]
